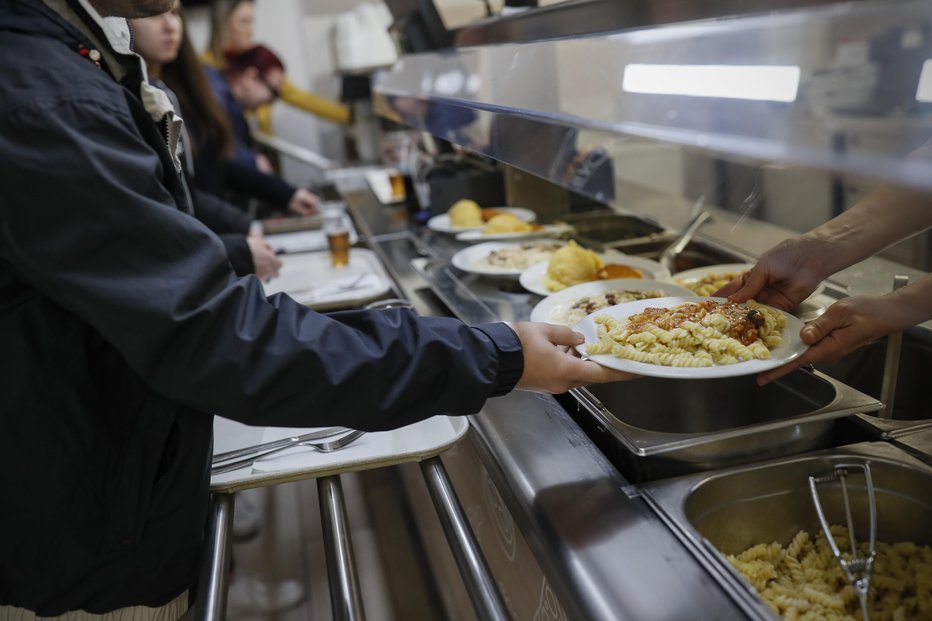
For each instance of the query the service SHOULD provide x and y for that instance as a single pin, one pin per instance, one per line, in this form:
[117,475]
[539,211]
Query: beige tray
[416,442]
[309,278]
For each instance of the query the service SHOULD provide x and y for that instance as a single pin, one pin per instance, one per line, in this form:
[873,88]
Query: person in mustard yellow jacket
[232,29]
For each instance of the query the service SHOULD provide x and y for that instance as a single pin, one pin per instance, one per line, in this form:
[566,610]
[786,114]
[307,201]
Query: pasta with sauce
[699,334]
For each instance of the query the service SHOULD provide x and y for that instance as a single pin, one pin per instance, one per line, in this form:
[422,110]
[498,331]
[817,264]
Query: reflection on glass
[760,83]
[924,89]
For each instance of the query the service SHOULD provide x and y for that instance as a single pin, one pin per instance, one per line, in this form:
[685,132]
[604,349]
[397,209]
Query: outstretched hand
[845,326]
[784,276]
[552,365]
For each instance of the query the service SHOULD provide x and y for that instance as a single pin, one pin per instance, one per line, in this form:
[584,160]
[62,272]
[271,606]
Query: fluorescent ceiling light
[757,82]
[924,89]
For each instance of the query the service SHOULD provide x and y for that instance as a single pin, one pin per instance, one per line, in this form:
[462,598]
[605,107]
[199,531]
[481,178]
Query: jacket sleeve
[294,95]
[220,216]
[251,181]
[238,252]
[103,239]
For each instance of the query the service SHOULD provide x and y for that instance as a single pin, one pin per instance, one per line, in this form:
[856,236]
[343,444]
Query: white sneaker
[246,517]
[251,594]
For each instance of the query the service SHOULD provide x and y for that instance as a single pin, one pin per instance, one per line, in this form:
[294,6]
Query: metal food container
[672,426]
[917,442]
[613,229]
[728,511]
[912,405]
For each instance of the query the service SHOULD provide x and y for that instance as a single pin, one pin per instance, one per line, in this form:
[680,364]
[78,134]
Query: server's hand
[853,322]
[552,365]
[784,276]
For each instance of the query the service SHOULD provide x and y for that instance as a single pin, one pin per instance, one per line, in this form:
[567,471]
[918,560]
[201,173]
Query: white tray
[415,442]
[310,279]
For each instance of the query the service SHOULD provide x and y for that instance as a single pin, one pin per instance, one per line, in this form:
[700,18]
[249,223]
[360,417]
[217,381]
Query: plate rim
[489,245]
[749,367]
[471,234]
[576,290]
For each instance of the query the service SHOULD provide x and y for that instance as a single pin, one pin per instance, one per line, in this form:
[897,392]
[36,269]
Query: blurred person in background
[232,29]
[131,331]
[211,148]
[159,41]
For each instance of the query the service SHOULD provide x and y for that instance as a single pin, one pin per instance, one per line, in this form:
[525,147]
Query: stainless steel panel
[603,551]
[918,442]
[863,369]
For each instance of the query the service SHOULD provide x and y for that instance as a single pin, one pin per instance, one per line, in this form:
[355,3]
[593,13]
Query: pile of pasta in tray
[804,581]
[710,283]
[699,334]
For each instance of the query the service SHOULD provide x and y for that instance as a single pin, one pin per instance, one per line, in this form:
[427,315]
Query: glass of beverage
[336,226]
[397,181]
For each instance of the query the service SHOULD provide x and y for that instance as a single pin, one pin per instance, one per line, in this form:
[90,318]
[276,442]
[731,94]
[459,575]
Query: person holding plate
[130,331]
[790,271]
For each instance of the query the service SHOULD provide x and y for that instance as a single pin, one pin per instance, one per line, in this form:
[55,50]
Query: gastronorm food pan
[728,511]
[918,442]
[912,404]
[710,423]
[608,229]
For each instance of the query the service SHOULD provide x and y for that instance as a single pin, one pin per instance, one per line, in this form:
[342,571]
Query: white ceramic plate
[441,223]
[791,347]
[468,259]
[532,278]
[687,277]
[555,306]
[475,235]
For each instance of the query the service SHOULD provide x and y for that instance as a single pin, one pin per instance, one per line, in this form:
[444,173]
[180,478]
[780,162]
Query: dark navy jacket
[123,330]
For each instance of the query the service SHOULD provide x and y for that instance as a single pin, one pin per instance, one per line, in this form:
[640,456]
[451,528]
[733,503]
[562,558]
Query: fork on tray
[327,446]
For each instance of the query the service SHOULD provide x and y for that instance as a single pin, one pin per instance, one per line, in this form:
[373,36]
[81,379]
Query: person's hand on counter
[552,365]
[264,260]
[304,203]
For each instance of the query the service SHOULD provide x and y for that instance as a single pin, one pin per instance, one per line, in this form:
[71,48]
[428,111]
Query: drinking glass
[336,226]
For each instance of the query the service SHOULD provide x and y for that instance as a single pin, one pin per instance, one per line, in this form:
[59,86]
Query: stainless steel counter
[604,552]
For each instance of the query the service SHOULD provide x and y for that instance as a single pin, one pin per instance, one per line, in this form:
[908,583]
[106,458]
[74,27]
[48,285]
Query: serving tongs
[857,568]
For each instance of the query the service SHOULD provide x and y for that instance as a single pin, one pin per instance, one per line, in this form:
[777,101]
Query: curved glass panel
[846,88]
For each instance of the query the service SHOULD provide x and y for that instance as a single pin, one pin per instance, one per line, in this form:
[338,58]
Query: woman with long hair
[213,146]
[161,41]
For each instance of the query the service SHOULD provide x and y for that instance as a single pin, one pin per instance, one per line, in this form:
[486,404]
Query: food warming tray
[727,511]
[669,426]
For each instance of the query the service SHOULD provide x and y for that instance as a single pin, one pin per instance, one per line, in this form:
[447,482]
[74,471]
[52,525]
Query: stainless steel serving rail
[345,595]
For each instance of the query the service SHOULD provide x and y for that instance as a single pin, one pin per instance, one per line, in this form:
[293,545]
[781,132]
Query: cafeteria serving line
[646,499]
[613,168]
